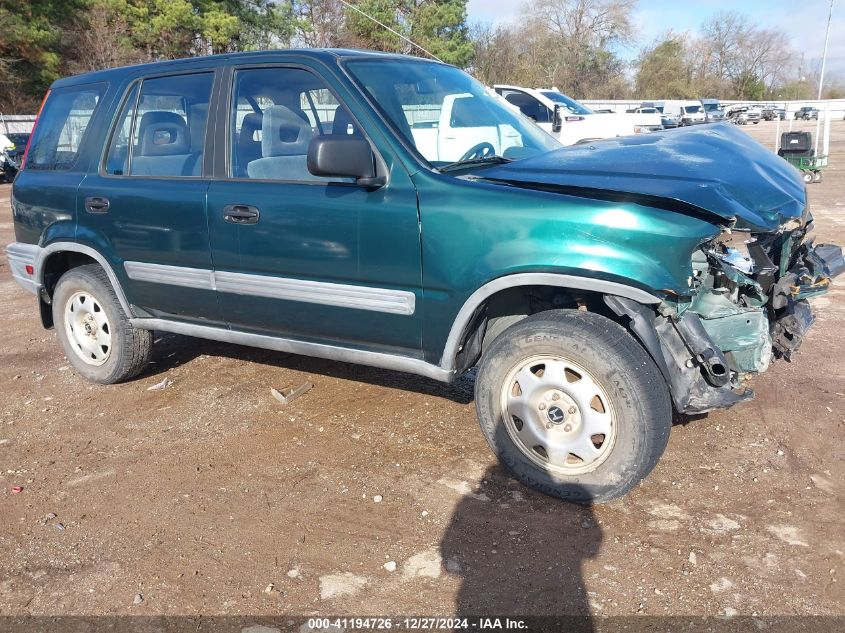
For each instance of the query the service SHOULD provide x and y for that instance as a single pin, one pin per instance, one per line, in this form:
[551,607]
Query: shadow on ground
[520,553]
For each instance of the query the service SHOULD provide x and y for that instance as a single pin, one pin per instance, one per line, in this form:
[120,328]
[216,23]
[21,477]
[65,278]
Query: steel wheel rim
[558,415]
[88,329]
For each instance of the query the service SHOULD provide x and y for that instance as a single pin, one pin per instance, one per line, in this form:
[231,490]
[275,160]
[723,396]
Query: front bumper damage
[747,306]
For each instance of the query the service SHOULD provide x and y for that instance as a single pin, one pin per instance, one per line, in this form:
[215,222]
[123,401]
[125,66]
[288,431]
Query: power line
[396,33]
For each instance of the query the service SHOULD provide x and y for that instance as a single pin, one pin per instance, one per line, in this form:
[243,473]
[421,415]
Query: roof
[325,55]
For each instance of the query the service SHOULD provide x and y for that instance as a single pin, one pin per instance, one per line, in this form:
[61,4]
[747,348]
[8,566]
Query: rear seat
[164,147]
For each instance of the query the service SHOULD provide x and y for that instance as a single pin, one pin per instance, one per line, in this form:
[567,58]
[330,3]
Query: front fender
[475,232]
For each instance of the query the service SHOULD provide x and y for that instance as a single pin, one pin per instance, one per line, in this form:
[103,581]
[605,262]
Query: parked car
[666,120]
[744,114]
[12,154]
[713,110]
[571,122]
[284,200]
[687,112]
[771,112]
[806,113]
[754,114]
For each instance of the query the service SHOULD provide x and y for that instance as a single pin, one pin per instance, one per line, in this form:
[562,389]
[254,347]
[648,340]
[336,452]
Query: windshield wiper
[470,162]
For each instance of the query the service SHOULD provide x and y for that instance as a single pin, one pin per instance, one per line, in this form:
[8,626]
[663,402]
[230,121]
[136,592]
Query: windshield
[710,107]
[570,104]
[692,109]
[448,116]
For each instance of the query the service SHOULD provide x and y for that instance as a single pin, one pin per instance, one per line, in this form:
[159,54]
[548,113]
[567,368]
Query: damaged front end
[747,305]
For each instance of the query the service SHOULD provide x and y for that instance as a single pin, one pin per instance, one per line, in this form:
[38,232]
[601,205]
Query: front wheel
[97,337]
[573,406]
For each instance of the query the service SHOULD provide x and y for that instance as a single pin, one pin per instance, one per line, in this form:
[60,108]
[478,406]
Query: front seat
[164,147]
[284,146]
[343,125]
[249,145]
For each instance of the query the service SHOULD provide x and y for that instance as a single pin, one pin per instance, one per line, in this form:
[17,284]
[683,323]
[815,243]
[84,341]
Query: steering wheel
[482,150]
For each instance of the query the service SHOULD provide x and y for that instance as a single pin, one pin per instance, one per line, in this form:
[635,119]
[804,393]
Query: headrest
[251,123]
[284,133]
[199,116]
[163,134]
[343,123]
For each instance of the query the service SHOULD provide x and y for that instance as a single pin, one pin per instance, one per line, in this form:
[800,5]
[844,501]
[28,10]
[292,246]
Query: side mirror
[343,157]
[557,118]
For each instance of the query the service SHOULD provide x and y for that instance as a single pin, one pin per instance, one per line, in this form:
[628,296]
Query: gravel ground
[375,492]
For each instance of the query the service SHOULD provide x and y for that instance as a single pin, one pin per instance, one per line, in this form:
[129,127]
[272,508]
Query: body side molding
[319,350]
[172,275]
[289,289]
[320,292]
[450,352]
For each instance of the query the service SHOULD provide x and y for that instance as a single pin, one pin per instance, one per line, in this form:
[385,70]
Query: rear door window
[62,127]
[161,132]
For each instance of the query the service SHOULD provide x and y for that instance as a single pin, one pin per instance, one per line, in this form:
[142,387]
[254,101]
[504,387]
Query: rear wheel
[573,406]
[807,176]
[817,176]
[93,329]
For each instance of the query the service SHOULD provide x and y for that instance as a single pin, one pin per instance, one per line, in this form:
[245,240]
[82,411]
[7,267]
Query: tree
[662,71]
[741,59]
[32,47]
[105,37]
[437,26]
[586,34]
[441,28]
[319,23]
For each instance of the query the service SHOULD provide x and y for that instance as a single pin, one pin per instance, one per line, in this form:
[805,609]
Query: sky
[805,25]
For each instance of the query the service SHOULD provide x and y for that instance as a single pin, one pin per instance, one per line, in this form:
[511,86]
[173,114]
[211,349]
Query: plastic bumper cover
[23,259]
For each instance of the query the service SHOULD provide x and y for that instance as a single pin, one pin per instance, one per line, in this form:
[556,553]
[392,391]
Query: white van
[686,111]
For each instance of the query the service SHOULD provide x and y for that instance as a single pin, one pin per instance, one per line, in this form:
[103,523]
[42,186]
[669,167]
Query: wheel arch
[59,257]
[466,337]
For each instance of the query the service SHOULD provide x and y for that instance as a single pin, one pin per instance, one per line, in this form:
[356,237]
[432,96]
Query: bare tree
[103,41]
[583,37]
[320,23]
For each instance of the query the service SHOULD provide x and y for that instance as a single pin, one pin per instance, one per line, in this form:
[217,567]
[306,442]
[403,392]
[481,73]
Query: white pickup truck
[571,122]
[462,122]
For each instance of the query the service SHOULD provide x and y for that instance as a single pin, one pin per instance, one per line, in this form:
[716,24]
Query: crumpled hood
[715,168]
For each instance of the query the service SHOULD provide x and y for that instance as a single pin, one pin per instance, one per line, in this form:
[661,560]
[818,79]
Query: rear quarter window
[62,126]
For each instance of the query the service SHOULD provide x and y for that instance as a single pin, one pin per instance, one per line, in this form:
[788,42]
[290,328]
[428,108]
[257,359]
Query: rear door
[145,205]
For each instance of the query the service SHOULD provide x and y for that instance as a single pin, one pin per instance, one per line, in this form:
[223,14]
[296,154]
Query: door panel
[325,261]
[147,207]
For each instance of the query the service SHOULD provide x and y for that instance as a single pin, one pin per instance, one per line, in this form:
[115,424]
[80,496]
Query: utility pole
[824,55]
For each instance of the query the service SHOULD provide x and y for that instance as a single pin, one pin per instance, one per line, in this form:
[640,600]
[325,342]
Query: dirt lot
[210,497]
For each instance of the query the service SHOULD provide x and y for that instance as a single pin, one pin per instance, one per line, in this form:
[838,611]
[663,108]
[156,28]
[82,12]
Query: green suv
[392,211]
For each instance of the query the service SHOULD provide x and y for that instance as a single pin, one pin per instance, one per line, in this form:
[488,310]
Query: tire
[817,176]
[93,329]
[807,176]
[631,407]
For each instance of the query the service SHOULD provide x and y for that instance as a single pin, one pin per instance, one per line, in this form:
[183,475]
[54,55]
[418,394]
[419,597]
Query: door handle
[97,205]
[241,214]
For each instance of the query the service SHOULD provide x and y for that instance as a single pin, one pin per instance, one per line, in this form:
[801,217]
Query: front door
[305,257]
[145,209]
